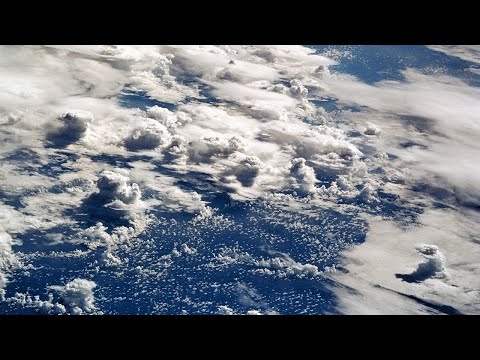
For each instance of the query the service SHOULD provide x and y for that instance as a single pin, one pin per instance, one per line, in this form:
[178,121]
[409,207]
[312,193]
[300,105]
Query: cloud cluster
[386,275]
[246,169]
[239,119]
[205,150]
[296,89]
[168,118]
[286,267]
[8,260]
[114,188]
[435,264]
[150,134]
[74,126]
[303,176]
[77,296]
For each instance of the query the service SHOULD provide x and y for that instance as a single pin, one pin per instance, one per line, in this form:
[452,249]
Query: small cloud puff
[177,149]
[372,129]
[297,89]
[367,193]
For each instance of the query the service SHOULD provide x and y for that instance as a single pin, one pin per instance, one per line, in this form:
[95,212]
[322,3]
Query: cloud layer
[103,144]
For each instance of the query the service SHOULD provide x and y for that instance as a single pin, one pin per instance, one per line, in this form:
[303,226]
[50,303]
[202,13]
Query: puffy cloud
[205,149]
[117,202]
[434,266]
[149,135]
[75,124]
[114,187]
[100,236]
[367,193]
[175,199]
[177,150]
[285,266]
[303,176]
[309,142]
[168,118]
[77,295]
[297,89]
[279,88]
[77,121]
[247,170]
[372,129]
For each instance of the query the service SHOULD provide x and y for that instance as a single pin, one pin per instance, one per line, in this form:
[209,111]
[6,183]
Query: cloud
[8,260]
[241,120]
[205,149]
[168,118]
[384,275]
[303,176]
[177,149]
[246,169]
[77,296]
[372,129]
[74,126]
[148,136]
[296,89]
[434,266]
[225,310]
[466,52]
[309,142]
[285,266]
[113,187]
[435,110]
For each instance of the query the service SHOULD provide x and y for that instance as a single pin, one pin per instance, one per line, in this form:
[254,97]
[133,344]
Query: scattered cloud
[78,166]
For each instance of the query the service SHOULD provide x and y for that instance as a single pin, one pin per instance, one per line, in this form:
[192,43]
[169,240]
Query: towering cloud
[247,169]
[74,125]
[149,135]
[302,176]
[114,187]
[434,266]
[77,295]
